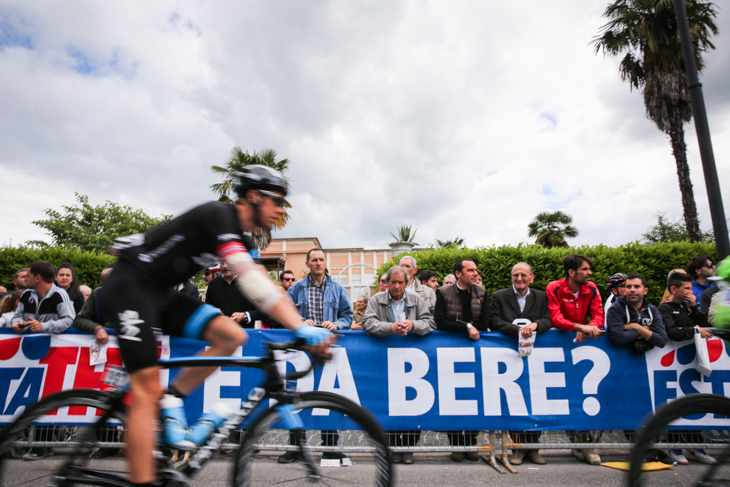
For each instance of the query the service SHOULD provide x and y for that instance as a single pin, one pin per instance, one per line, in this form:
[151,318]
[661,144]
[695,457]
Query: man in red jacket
[574,302]
[575,306]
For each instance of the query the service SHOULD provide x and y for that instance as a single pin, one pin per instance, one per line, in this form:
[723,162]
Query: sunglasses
[710,265]
[289,279]
[276,198]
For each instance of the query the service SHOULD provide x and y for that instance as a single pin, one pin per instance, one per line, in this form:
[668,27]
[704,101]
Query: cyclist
[141,302]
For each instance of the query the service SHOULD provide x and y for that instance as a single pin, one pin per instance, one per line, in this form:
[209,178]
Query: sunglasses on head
[276,198]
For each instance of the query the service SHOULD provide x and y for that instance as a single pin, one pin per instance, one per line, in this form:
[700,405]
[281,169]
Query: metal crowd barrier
[430,441]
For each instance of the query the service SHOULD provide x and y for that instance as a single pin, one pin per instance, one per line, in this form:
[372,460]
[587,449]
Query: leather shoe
[592,456]
[517,457]
[407,458]
[457,456]
[472,456]
[535,457]
[396,457]
[290,457]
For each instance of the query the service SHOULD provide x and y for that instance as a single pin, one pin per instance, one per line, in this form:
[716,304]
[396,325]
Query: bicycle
[687,407]
[292,408]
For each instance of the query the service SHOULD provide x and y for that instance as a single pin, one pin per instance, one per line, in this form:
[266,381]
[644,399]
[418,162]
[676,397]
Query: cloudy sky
[461,118]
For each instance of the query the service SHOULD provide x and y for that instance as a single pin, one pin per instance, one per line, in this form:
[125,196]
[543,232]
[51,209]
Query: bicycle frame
[273,387]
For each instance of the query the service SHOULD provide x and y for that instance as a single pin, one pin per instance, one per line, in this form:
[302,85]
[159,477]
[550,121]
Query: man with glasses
[228,298]
[286,280]
[519,302]
[382,283]
[701,268]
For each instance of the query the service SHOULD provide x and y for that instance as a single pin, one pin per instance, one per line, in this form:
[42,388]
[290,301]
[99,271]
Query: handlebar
[299,344]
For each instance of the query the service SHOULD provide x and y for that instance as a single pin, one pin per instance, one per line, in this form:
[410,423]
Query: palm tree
[236,162]
[647,31]
[551,228]
[447,244]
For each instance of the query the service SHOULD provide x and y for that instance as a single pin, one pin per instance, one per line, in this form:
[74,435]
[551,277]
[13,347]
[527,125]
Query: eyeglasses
[289,279]
[521,274]
[276,198]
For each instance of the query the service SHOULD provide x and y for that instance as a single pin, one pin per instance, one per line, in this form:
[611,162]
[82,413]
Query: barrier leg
[490,458]
[504,457]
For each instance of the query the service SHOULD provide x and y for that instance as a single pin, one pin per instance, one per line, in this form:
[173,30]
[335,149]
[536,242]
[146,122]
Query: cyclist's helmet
[615,281]
[259,177]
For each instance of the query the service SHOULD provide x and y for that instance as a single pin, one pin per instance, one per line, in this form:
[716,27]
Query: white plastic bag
[703,357]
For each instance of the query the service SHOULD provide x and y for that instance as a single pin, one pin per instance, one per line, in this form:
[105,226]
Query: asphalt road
[431,469]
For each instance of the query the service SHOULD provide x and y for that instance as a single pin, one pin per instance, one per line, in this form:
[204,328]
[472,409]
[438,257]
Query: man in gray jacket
[43,307]
[397,312]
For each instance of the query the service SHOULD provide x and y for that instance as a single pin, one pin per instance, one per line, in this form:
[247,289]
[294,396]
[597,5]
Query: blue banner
[443,381]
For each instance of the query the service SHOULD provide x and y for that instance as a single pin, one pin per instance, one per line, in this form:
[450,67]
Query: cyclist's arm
[258,288]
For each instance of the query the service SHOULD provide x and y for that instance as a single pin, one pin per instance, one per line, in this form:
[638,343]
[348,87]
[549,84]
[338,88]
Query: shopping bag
[703,358]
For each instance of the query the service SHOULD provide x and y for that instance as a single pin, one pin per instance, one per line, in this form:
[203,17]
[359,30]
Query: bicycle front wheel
[63,430]
[335,429]
[680,413]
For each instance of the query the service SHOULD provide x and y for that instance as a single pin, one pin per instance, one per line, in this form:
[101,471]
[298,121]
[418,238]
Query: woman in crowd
[66,280]
[7,307]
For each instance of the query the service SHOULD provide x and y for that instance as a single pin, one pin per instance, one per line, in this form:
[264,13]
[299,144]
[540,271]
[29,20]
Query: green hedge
[88,265]
[653,261]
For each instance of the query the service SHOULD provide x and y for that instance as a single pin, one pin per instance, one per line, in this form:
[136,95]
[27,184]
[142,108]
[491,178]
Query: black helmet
[615,280]
[261,177]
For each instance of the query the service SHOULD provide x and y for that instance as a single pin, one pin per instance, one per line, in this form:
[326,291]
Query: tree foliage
[551,228]
[238,160]
[88,264]
[646,31]
[93,228]
[653,261]
[672,231]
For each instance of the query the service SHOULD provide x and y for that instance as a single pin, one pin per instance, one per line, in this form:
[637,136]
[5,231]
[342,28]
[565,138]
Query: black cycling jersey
[179,248]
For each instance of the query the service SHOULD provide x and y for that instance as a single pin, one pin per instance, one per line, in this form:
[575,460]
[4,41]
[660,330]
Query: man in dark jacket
[680,313]
[634,322]
[520,301]
[225,295]
[463,307]
[91,317]
[682,317]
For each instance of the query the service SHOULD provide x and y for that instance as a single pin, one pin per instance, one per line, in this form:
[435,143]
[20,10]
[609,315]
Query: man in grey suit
[520,301]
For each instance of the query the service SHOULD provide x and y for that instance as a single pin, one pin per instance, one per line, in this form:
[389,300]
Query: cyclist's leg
[140,431]
[225,336]
[131,304]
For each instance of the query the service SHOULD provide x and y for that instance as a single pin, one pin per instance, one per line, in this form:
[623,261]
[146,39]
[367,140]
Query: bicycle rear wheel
[62,430]
[682,412]
[359,437]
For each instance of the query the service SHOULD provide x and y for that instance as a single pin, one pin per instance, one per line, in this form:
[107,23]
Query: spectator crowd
[51,300]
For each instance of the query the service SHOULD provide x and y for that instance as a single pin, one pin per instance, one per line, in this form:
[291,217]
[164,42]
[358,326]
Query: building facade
[353,268]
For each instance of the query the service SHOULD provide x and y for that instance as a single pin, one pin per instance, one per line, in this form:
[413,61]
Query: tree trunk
[679,149]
